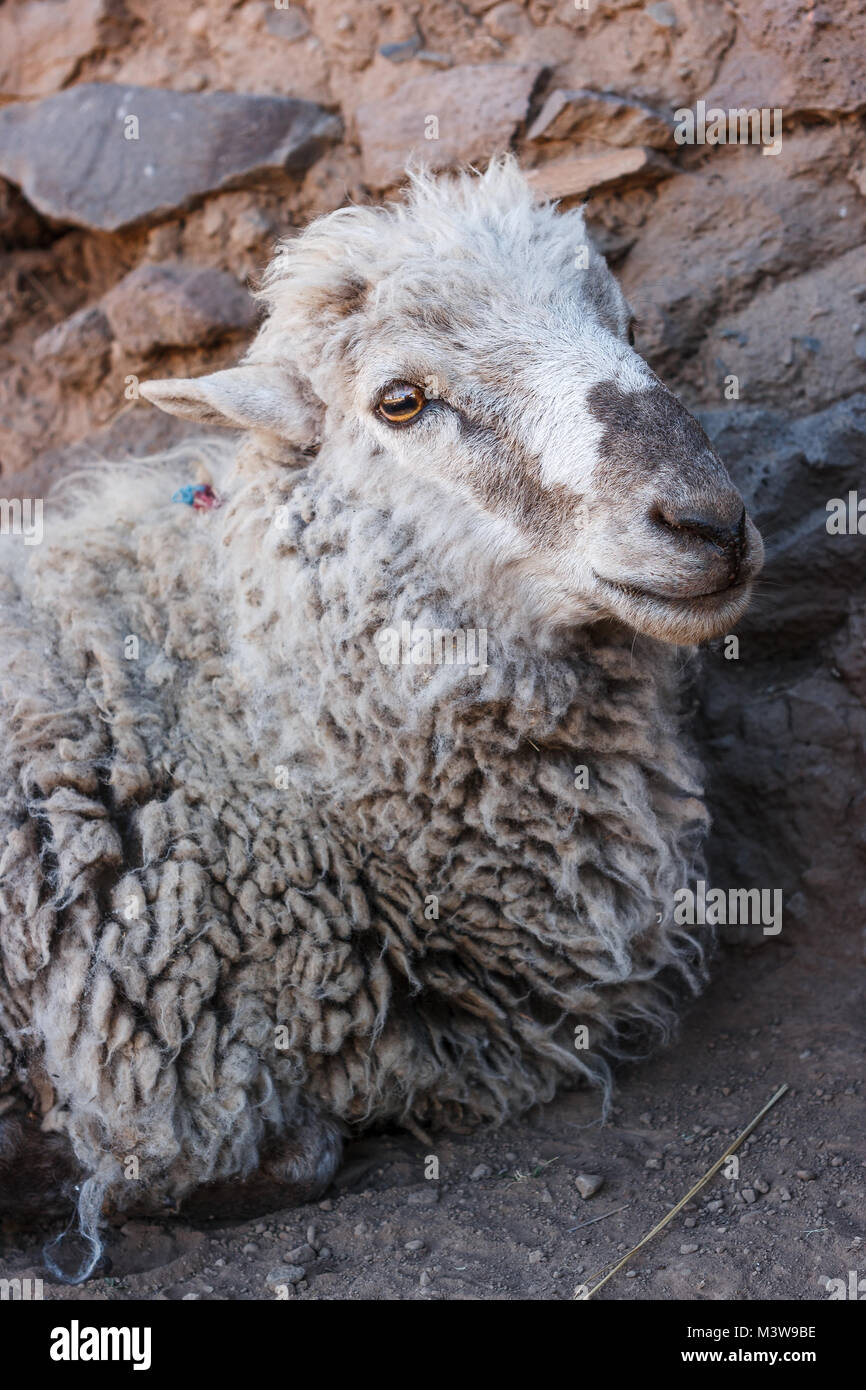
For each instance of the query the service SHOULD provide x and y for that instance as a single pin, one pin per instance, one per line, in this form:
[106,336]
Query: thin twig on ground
[732,1148]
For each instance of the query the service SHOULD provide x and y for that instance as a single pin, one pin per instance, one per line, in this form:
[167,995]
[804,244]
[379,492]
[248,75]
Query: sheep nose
[713,524]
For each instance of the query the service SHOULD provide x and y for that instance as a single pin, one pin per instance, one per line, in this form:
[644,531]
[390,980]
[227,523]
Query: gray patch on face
[506,480]
[650,432]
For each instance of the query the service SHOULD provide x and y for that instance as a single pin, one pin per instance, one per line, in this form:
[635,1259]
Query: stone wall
[152,153]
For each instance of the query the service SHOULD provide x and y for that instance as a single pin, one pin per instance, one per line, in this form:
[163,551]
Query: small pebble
[427,1197]
[401,52]
[688,1249]
[588,1184]
[300,1254]
[805,1175]
[482,1171]
[535,1257]
[664,14]
[285,1274]
[414,1245]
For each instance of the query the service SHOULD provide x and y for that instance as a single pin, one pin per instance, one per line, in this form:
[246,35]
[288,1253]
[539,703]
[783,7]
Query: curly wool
[166,906]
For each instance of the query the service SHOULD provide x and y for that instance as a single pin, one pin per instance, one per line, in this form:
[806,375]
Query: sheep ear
[254,397]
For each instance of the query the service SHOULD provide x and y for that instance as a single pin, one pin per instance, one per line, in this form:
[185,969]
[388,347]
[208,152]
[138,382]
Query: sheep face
[579,469]
[477,343]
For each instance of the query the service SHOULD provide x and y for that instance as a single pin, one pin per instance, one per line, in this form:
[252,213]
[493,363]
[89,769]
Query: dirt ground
[505,1220]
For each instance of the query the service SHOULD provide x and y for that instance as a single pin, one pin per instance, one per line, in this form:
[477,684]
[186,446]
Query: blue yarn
[188,492]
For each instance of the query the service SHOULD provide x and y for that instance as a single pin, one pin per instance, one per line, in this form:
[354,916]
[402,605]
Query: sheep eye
[400,403]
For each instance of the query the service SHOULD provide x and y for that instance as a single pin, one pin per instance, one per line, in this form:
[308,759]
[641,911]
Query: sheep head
[475,341]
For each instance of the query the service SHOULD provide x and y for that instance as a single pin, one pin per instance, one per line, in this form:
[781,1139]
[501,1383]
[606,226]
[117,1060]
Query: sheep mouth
[676,618]
[680,601]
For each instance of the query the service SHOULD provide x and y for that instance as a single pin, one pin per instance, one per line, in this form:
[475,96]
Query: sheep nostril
[710,526]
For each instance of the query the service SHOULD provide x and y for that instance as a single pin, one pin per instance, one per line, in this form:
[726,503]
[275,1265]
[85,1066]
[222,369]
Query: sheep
[271,872]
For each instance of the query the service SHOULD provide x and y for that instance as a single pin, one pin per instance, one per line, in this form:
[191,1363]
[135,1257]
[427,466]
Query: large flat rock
[589,115]
[576,174]
[444,118]
[170,306]
[72,157]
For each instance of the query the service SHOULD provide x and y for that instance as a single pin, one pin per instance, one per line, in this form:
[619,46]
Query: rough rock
[106,156]
[795,57]
[575,174]
[42,45]
[20,224]
[588,1184]
[784,724]
[720,237]
[78,347]
[614,120]
[435,60]
[403,51]
[444,118]
[785,344]
[301,1255]
[162,306]
[508,21]
[668,65]
[663,14]
[285,1274]
[289,23]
